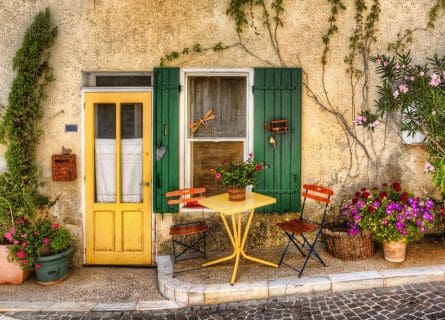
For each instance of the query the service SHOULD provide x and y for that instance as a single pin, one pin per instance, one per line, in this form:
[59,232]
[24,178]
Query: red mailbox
[63,167]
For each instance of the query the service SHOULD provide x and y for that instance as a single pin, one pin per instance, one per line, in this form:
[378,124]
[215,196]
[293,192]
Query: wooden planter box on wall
[11,273]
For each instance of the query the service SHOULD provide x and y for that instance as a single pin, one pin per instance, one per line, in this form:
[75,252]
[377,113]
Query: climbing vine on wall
[364,35]
[19,126]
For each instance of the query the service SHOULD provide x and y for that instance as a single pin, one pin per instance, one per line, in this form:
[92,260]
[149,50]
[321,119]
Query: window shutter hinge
[179,88]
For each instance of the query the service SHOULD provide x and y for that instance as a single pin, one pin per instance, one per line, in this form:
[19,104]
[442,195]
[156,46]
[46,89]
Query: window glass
[216,135]
[226,96]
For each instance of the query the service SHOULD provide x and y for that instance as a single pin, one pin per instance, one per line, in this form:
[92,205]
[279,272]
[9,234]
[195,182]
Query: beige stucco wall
[132,35]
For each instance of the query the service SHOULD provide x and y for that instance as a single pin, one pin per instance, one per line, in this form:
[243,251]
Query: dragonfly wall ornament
[208,116]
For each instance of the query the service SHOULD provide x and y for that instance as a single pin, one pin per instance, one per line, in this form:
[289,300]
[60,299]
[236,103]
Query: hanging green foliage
[19,125]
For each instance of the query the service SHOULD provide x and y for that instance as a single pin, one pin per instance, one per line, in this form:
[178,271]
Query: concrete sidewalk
[143,289]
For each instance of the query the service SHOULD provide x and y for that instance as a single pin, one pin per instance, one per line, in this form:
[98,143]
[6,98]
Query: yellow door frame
[117,254]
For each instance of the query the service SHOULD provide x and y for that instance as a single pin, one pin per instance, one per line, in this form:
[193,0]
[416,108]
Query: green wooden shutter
[277,95]
[166,134]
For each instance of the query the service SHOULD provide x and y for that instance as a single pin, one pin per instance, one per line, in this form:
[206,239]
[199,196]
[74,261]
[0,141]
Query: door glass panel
[105,151]
[131,152]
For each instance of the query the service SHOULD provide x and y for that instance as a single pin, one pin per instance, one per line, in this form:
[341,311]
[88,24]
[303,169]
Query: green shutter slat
[166,133]
[277,95]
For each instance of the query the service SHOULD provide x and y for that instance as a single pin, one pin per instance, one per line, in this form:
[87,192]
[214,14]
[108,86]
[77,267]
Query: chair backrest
[189,196]
[319,194]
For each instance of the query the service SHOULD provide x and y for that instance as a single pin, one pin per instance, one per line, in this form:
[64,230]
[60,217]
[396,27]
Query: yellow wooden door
[118,178]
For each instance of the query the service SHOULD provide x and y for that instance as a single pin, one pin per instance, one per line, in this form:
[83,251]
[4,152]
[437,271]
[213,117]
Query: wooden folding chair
[191,236]
[302,226]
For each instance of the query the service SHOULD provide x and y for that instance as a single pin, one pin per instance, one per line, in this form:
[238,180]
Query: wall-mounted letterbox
[63,167]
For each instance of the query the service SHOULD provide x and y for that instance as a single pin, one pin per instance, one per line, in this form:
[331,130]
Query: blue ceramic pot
[54,267]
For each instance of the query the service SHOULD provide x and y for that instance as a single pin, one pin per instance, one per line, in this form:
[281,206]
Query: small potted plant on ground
[236,176]
[41,244]
[395,217]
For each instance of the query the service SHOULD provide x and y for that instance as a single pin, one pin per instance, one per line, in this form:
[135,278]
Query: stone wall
[132,35]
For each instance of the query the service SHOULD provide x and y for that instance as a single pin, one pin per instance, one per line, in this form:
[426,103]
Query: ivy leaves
[19,128]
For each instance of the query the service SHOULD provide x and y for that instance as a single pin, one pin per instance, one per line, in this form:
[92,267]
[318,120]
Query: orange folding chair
[302,226]
[188,239]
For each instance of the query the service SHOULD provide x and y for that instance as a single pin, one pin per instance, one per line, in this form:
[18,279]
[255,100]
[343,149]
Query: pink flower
[21,254]
[378,61]
[217,176]
[13,231]
[37,266]
[395,93]
[24,244]
[435,80]
[21,220]
[24,235]
[421,73]
[258,167]
[428,167]
[45,240]
[397,66]
[24,261]
[403,88]
[359,120]
[55,225]
[433,112]
[385,63]
[16,242]
[8,236]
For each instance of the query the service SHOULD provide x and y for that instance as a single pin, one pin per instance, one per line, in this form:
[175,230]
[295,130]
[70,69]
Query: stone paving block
[398,277]
[71,306]
[109,306]
[356,280]
[164,264]
[239,291]
[3,317]
[24,306]
[291,286]
[196,294]
[158,305]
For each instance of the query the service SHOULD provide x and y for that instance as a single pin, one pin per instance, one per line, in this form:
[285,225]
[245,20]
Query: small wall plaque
[71,128]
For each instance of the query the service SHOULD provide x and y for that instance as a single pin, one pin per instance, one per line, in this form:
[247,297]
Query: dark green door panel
[166,136]
[277,95]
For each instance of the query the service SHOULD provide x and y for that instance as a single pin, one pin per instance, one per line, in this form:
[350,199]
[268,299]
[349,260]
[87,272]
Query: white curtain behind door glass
[131,164]
[131,170]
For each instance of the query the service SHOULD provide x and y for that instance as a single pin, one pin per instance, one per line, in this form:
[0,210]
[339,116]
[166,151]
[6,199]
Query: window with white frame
[217,125]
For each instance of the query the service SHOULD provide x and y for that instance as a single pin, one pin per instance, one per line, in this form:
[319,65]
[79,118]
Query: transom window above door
[217,125]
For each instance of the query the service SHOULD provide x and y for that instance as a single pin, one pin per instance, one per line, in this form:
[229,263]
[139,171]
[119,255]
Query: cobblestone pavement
[421,301]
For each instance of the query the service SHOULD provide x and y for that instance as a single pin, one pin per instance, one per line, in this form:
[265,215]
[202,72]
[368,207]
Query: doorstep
[198,294]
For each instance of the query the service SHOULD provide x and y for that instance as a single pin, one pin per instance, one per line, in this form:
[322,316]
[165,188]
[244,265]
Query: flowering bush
[238,174]
[390,213]
[417,93]
[41,236]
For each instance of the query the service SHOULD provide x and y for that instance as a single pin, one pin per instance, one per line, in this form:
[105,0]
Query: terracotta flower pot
[236,193]
[395,251]
[10,272]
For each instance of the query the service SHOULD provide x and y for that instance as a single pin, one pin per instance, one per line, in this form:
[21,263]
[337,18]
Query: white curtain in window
[131,170]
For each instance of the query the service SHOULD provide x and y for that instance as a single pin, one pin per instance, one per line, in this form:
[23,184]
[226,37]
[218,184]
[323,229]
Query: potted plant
[236,176]
[394,216]
[344,242]
[41,244]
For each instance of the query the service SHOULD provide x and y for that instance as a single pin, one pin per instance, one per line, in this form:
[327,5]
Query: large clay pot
[395,251]
[53,268]
[11,273]
[236,193]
